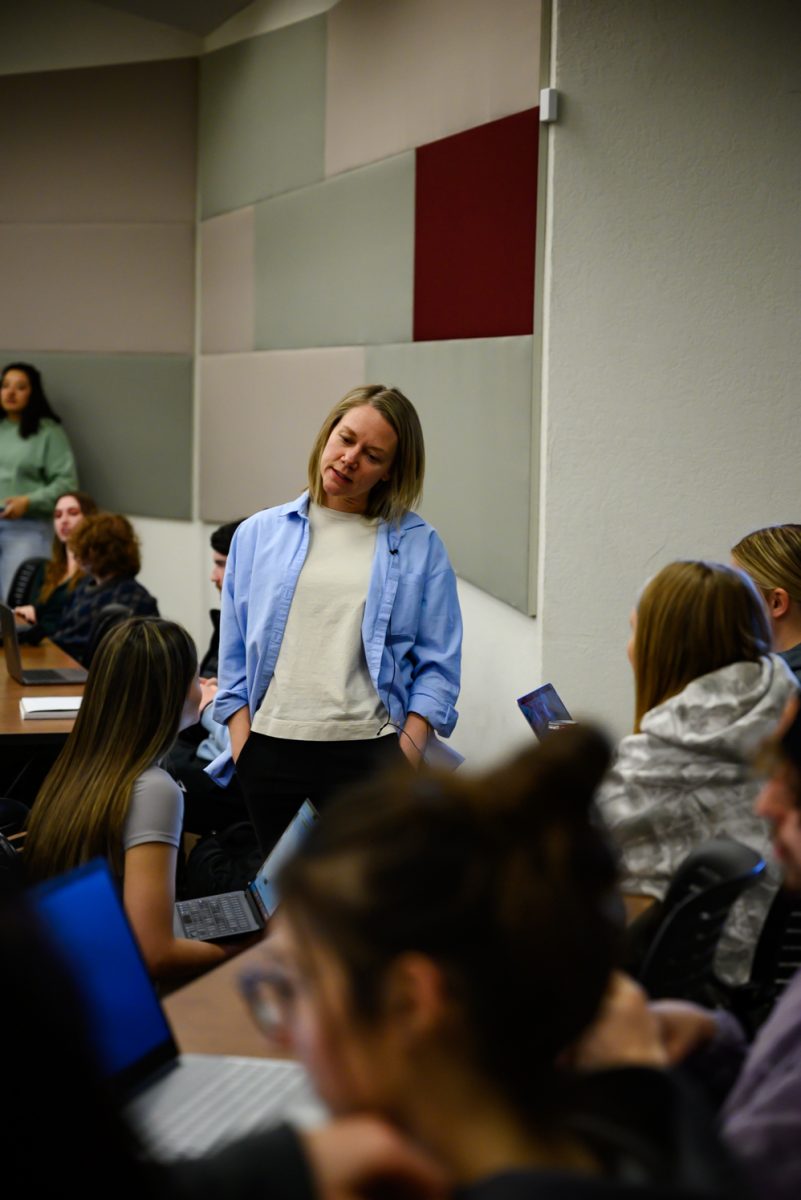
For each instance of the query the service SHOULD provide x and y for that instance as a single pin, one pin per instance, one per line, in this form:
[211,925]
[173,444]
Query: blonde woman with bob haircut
[340,620]
[107,795]
[772,558]
[708,692]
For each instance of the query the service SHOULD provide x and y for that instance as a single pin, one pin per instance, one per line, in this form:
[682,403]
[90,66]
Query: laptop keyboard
[225,914]
[206,1101]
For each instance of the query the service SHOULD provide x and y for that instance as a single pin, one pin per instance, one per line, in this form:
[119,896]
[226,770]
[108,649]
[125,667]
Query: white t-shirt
[321,690]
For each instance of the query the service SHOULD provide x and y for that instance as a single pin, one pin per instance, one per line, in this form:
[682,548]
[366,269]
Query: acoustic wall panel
[475,403]
[102,144]
[259,415]
[334,261]
[475,213]
[226,282]
[408,72]
[129,419]
[262,116]
[99,288]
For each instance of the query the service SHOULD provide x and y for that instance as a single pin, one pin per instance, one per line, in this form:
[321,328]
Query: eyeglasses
[270,995]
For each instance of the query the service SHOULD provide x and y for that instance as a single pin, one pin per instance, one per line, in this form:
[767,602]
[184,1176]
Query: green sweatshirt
[40,466]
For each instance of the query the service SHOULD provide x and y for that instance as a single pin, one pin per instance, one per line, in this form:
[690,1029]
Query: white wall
[672,354]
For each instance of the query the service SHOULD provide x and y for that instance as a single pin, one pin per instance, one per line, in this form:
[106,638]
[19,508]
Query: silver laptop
[234,914]
[179,1104]
[39,675]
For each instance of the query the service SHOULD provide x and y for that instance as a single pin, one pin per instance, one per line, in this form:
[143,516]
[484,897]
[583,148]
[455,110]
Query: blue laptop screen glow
[83,915]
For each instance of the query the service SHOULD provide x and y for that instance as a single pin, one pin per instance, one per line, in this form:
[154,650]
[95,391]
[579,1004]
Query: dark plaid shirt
[75,629]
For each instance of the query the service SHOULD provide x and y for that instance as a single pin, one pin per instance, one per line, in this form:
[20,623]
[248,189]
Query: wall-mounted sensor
[549,105]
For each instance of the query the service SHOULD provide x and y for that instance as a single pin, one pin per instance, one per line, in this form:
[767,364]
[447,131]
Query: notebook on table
[233,914]
[544,710]
[179,1104]
[38,675]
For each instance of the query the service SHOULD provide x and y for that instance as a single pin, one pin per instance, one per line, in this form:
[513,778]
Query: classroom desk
[208,1015]
[15,731]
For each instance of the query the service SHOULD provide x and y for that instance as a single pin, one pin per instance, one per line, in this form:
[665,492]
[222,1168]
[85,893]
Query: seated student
[57,579]
[761,1118]
[209,806]
[708,692]
[439,943]
[107,549]
[772,558]
[107,794]
[87,1148]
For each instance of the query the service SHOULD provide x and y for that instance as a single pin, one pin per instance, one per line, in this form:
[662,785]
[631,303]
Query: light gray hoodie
[687,776]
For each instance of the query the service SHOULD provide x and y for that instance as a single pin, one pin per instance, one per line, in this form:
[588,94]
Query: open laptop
[40,675]
[544,710]
[178,1104]
[232,914]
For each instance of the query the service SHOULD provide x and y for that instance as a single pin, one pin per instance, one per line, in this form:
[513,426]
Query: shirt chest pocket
[408,605]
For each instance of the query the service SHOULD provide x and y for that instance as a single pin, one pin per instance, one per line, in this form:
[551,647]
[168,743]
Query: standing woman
[36,467]
[772,558]
[340,640]
[55,580]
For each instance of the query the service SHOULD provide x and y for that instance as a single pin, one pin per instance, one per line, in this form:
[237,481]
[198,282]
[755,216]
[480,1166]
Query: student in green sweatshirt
[36,467]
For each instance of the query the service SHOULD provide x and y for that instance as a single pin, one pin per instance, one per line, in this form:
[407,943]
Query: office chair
[679,960]
[20,591]
[776,960]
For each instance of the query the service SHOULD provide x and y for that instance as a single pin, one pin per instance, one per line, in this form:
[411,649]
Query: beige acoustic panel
[104,144]
[98,288]
[226,282]
[475,403]
[259,415]
[410,72]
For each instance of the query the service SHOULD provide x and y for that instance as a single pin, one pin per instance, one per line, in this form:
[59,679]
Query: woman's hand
[414,738]
[26,612]
[15,507]
[208,690]
[361,1156]
[683,1027]
[625,1033]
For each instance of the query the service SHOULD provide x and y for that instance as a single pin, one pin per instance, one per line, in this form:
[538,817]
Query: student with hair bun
[772,559]
[440,944]
[708,692]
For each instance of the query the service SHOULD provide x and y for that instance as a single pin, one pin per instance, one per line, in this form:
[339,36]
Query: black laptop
[39,675]
[544,710]
[179,1104]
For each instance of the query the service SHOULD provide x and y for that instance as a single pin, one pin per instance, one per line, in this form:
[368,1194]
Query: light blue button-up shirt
[411,630]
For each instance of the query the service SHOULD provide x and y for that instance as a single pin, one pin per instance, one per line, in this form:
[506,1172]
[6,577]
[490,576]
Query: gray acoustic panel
[99,289]
[129,419]
[262,116]
[475,402]
[101,144]
[226,282]
[259,415]
[335,261]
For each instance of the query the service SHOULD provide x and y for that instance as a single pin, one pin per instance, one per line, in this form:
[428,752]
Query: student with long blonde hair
[772,559]
[708,691]
[107,795]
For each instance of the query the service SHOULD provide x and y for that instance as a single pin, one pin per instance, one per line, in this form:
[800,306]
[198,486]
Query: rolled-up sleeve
[436,656]
[231,670]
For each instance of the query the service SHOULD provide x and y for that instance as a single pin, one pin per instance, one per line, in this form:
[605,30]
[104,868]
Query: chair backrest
[680,960]
[21,585]
[777,957]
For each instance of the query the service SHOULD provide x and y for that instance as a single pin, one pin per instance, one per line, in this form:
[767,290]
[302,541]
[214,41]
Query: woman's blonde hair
[57,566]
[129,718]
[693,618]
[772,558]
[393,498]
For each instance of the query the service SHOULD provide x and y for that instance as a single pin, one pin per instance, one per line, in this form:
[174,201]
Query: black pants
[278,774]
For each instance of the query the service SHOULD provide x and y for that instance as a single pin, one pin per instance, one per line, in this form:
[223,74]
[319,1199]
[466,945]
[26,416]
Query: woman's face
[67,516]
[15,393]
[632,636]
[348,1061]
[358,454]
[191,709]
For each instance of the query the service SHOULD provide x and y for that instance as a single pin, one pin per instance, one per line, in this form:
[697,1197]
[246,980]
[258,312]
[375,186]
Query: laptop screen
[544,710]
[264,884]
[83,915]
